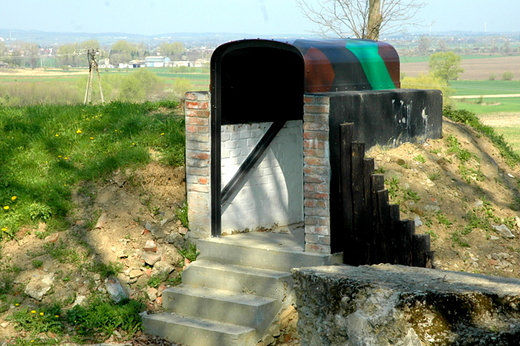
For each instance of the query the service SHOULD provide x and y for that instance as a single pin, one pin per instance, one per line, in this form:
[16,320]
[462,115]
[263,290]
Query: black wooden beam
[245,169]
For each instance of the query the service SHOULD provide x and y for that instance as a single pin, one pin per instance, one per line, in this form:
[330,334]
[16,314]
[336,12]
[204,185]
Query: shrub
[428,81]
[507,75]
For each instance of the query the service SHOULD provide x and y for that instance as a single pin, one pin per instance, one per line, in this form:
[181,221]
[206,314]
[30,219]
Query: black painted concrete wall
[385,117]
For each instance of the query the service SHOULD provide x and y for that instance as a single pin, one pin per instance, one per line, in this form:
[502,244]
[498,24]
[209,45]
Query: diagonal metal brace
[245,169]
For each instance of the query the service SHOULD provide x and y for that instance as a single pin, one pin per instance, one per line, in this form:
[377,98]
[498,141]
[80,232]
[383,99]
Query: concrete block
[396,305]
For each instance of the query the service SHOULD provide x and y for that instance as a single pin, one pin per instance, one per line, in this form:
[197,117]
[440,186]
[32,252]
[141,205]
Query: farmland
[474,69]
[474,90]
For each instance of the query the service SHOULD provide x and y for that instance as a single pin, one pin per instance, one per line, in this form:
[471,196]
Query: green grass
[467,117]
[58,87]
[489,105]
[408,59]
[46,150]
[486,87]
[95,322]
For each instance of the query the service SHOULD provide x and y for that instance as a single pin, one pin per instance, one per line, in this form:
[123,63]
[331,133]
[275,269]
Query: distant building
[136,64]
[180,63]
[157,61]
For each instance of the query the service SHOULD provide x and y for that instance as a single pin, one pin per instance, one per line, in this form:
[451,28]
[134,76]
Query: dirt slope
[458,203]
[117,219]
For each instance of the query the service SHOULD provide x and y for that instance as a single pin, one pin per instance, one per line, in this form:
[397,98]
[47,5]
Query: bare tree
[360,18]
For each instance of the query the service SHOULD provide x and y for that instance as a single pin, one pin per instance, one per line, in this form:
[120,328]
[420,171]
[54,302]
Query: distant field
[485,87]
[489,105]
[474,69]
[506,124]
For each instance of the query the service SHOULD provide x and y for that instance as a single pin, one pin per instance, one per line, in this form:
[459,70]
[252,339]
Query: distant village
[121,54]
[184,51]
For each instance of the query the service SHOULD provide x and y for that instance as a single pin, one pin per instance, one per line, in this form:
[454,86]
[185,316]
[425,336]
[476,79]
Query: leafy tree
[173,50]
[68,54]
[139,86]
[31,51]
[445,65]
[181,86]
[131,90]
[361,18]
[424,45]
[148,80]
[90,44]
[429,81]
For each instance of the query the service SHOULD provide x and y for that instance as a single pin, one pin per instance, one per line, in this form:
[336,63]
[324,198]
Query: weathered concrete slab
[396,305]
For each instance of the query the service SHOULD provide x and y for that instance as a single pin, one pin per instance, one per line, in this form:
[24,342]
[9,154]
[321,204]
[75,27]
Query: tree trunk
[374,20]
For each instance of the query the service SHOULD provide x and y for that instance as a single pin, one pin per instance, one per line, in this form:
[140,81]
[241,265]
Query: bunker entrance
[257,111]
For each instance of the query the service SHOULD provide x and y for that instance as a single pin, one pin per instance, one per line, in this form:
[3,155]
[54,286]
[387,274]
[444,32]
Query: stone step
[191,331]
[220,305]
[263,250]
[261,282]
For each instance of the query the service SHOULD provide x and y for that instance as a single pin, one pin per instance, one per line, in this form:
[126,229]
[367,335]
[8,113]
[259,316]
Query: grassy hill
[87,191]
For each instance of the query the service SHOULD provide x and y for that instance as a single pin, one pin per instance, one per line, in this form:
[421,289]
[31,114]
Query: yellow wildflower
[13,198]
[33,311]
[6,207]
[79,131]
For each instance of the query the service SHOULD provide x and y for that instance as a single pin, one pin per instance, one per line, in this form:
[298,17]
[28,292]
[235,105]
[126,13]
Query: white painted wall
[273,195]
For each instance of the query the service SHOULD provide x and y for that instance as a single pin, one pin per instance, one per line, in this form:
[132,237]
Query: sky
[262,17]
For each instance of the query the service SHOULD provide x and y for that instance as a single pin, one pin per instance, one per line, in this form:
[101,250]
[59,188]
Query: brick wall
[289,185]
[316,173]
[198,151]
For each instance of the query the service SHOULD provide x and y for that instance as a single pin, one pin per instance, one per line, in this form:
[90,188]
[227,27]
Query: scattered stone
[150,246]
[417,221]
[150,227]
[101,221]
[152,293]
[151,257]
[5,324]
[79,300]
[162,268]
[159,301]
[115,289]
[432,207]
[52,238]
[39,286]
[183,230]
[400,162]
[174,238]
[122,253]
[142,281]
[504,231]
[135,273]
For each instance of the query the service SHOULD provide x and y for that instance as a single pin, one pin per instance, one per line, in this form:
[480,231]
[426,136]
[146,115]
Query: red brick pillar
[198,154]
[316,174]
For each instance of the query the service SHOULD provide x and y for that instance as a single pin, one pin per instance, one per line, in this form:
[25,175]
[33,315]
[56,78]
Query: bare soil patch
[39,72]
[474,69]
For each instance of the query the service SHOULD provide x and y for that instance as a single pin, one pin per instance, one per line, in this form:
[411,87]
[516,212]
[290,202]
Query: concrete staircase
[235,290]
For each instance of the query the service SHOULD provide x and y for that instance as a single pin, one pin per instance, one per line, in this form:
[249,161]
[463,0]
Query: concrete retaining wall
[387,305]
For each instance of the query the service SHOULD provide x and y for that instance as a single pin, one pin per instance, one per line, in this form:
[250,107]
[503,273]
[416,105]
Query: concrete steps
[193,331]
[234,291]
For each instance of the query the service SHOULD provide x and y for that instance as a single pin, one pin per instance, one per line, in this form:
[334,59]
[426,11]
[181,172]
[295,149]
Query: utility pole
[92,67]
